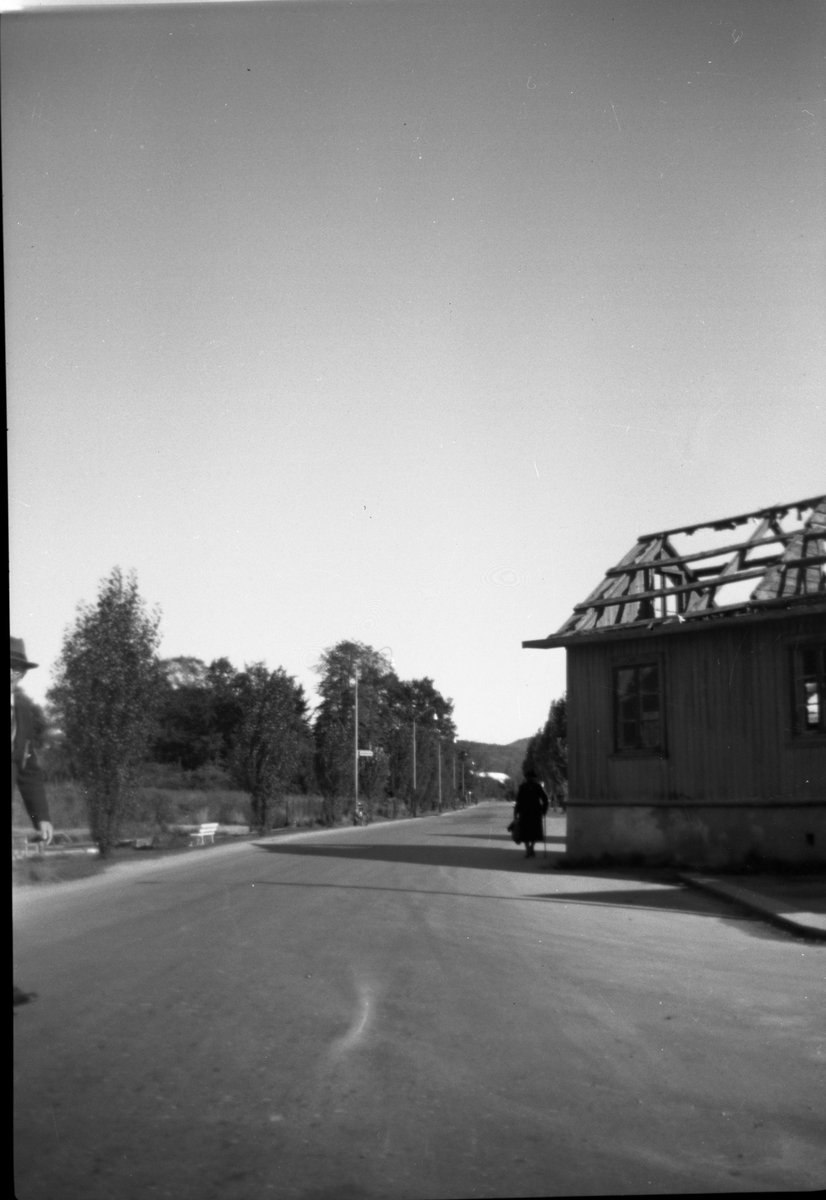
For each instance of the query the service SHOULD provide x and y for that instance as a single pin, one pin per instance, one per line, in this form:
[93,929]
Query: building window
[638,721]
[810,690]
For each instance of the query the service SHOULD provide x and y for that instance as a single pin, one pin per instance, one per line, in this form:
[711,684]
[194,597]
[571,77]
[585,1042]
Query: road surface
[408,1010]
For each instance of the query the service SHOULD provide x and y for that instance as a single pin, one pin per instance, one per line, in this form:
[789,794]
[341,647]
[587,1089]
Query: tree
[226,708]
[105,695]
[184,671]
[388,710]
[547,752]
[334,727]
[269,738]
[418,709]
[185,731]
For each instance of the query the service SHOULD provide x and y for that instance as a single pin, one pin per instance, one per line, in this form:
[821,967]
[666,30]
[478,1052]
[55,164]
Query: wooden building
[697,696]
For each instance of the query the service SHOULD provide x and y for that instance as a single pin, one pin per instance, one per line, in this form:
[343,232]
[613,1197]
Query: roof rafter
[654,585]
[777,511]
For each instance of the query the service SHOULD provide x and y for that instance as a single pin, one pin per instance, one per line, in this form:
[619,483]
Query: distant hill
[489,757]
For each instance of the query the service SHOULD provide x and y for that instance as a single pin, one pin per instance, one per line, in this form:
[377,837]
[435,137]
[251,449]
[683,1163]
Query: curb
[30,896]
[760,905]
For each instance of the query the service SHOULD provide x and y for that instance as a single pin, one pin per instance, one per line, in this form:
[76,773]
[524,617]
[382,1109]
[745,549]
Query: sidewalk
[797,903]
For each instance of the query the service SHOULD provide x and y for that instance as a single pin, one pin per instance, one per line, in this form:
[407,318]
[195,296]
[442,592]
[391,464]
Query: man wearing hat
[25,770]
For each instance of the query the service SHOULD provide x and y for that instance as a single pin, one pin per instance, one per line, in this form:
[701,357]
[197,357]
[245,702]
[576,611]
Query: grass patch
[157,811]
[55,869]
[153,810]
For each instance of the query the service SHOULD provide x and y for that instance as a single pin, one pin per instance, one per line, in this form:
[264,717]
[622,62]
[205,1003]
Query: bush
[172,777]
[165,807]
[155,811]
[151,809]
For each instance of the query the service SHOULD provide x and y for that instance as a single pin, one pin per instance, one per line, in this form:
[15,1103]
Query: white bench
[200,835]
[22,847]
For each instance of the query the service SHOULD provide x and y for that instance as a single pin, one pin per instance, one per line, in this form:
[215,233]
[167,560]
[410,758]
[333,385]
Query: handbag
[515,830]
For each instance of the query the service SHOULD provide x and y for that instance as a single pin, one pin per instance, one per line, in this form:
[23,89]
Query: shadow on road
[676,899]
[493,837]
[658,890]
[490,858]
[673,897]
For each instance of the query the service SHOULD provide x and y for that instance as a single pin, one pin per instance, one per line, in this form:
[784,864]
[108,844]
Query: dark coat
[25,769]
[531,806]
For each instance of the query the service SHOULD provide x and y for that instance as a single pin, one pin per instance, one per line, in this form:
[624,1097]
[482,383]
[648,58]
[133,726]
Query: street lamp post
[414,757]
[417,717]
[462,757]
[356,743]
[439,760]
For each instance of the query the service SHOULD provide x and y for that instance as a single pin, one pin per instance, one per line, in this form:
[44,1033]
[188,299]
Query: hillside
[488,756]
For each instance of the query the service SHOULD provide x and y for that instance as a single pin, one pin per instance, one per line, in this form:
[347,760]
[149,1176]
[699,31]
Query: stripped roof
[776,563]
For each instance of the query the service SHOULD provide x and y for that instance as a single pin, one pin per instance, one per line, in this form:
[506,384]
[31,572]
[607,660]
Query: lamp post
[417,717]
[453,762]
[439,761]
[356,741]
[462,758]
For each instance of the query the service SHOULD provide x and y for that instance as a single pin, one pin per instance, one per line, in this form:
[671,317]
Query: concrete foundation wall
[699,836]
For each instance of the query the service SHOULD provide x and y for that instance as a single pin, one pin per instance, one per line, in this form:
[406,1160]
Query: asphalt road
[408,1010]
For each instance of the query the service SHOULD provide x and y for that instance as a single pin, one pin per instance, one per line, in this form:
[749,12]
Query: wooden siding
[728,712]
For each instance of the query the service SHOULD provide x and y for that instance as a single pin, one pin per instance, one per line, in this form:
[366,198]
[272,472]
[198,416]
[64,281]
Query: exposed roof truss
[776,561]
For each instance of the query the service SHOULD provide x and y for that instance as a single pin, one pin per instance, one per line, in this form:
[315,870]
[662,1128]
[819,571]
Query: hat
[18,654]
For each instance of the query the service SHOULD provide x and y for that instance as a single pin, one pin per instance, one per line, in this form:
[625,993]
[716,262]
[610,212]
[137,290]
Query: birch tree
[105,695]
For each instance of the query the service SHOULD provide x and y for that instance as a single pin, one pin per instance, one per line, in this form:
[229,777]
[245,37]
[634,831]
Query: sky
[399,322]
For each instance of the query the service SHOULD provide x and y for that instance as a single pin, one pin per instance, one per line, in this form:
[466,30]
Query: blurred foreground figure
[25,770]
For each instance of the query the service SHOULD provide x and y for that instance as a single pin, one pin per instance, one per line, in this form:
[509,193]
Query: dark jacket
[531,806]
[25,769]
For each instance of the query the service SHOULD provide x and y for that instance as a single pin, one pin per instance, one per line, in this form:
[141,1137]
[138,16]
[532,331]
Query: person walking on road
[531,806]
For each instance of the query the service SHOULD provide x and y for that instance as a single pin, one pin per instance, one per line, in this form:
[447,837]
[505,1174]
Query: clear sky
[400,321]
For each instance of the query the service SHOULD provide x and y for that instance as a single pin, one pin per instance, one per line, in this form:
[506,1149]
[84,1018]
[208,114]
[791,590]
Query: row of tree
[547,753]
[116,705]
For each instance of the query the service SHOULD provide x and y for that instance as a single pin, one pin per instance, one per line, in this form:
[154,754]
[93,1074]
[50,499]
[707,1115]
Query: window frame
[802,736]
[638,662]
